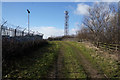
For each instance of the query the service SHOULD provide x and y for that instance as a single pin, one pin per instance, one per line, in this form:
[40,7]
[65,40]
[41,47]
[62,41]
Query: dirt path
[88,67]
[58,68]
[57,71]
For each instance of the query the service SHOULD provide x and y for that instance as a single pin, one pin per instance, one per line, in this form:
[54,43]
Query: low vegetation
[35,65]
[13,48]
[73,69]
[75,56]
[107,66]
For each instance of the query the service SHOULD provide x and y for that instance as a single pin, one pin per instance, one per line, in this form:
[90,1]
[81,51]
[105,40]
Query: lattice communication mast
[66,23]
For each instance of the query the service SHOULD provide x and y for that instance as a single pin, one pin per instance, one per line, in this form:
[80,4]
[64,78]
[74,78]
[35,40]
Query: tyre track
[57,71]
[90,71]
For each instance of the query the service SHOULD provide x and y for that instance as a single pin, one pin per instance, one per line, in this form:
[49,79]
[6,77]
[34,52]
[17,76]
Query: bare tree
[102,22]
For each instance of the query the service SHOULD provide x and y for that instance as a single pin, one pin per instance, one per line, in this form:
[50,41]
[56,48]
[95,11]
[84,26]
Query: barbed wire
[11,30]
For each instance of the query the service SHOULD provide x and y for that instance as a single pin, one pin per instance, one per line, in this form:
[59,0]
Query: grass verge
[35,65]
[106,65]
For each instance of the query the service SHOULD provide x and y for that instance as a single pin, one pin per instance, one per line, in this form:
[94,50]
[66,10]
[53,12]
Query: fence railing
[115,47]
[6,31]
[19,34]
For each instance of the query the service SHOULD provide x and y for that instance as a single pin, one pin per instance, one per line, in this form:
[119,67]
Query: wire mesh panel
[19,35]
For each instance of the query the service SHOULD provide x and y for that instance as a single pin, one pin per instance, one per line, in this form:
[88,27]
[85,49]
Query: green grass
[36,65]
[105,65]
[40,63]
[73,68]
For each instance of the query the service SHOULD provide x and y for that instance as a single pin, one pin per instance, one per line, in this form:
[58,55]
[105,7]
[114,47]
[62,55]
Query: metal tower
[66,23]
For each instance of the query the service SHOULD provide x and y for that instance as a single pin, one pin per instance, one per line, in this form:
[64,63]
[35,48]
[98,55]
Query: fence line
[115,47]
[17,34]
[6,31]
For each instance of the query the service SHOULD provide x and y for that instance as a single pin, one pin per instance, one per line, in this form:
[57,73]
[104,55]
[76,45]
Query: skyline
[45,17]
